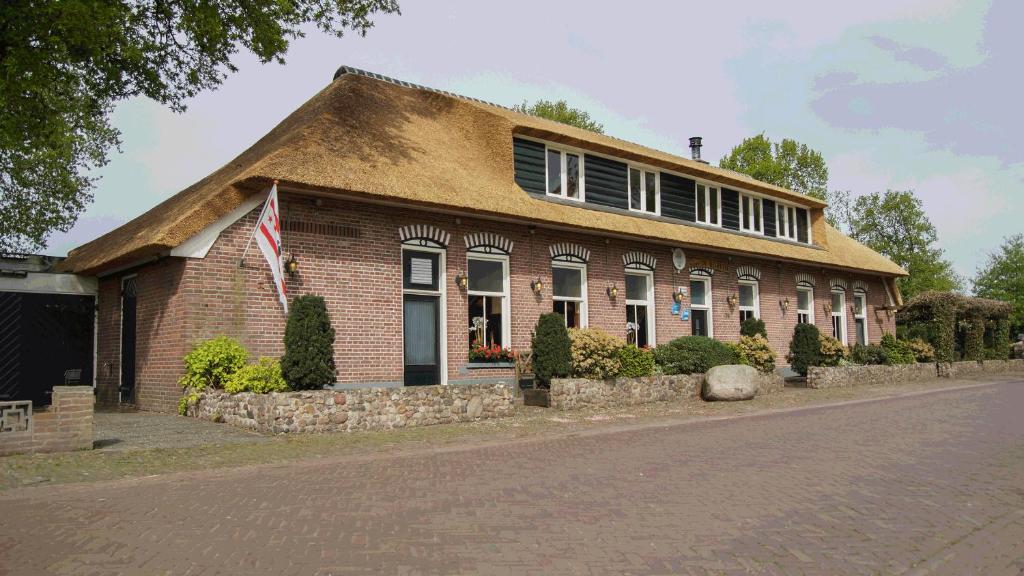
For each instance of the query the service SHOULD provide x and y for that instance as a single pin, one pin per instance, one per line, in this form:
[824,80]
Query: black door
[128,309]
[421,326]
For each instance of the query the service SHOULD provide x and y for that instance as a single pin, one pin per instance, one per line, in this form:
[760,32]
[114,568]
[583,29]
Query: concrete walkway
[143,430]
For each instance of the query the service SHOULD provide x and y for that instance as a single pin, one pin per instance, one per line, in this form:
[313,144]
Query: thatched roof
[382,140]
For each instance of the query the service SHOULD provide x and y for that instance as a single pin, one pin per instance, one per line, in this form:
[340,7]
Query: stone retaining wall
[844,376]
[972,368]
[63,426]
[357,409]
[576,393]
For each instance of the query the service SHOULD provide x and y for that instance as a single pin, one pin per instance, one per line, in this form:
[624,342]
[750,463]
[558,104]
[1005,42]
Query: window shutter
[677,197]
[606,182]
[528,162]
[730,209]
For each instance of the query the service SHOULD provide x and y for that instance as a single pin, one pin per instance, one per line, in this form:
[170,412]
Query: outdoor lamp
[536,286]
[784,303]
[613,291]
[291,265]
[461,280]
[678,295]
[732,300]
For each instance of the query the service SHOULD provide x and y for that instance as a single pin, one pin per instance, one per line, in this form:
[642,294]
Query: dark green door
[421,327]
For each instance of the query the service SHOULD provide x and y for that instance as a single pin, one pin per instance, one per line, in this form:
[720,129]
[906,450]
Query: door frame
[441,293]
[120,339]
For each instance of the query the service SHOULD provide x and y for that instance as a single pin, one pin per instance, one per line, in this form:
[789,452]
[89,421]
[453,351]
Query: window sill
[485,365]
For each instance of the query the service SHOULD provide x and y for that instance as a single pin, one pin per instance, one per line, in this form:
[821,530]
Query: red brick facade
[182,301]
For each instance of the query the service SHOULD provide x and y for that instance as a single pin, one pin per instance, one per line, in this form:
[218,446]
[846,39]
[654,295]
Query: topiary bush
[922,351]
[757,352]
[635,362]
[693,355]
[804,348]
[551,348]
[308,361]
[212,362]
[595,353]
[753,327]
[261,378]
[871,354]
[833,353]
[897,351]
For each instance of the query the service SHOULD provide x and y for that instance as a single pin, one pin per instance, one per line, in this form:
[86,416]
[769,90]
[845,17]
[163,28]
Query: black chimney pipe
[695,148]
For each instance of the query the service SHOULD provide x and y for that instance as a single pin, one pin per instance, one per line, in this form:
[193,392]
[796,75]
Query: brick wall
[63,426]
[186,301]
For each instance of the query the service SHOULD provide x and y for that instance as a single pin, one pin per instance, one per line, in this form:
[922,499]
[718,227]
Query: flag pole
[241,261]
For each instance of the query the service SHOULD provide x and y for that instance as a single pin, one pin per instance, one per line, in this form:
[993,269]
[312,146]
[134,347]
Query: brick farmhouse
[432,223]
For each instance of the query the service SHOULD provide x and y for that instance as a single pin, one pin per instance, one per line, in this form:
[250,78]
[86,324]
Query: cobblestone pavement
[925,484]
[144,430]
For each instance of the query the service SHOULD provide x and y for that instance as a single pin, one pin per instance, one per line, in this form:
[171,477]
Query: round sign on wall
[679,259]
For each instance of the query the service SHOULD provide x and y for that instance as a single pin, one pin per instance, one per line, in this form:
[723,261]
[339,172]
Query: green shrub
[752,327]
[635,362]
[922,351]
[757,352]
[869,354]
[212,362]
[551,348]
[832,351]
[693,355]
[595,353]
[308,361]
[262,377]
[896,350]
[804,348]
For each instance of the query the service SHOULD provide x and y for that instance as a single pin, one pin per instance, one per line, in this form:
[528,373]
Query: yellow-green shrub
[923,351]
[595,353]
[832,351]
[212,362]
[262,377]
[635,362]
[757,352]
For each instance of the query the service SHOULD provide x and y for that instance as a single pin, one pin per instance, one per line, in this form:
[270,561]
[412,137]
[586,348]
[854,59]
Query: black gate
[128,308]
[45,340]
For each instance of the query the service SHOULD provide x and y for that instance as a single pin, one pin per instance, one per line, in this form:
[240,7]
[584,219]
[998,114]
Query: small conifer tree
[308,361]
[805,348]
[552,349]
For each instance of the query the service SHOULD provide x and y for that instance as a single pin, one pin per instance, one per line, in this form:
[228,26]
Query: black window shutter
[677,197]
[607,182]
[730,209]
[528,161]
[801,224]
[769,218]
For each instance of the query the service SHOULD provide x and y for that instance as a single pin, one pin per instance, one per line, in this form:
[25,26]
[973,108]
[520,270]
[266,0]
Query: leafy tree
[788,164]
[308,361]
[895,224]
[560,112]
[65,63]
[1002,278]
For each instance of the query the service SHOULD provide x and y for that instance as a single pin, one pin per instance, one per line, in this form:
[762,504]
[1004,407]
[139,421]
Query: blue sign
[675,308]
[686,315]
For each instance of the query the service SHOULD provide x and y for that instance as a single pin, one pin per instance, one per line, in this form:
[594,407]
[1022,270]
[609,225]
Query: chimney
[695,149]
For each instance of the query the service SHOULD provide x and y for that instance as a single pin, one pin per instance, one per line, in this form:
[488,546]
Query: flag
[268,238]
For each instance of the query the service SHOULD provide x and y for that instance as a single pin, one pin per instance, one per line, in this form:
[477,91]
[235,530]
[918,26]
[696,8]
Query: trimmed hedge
[805,348]
[308,361]
[635,362]
[694,355]
[552,349]
[213,362]
[595,353]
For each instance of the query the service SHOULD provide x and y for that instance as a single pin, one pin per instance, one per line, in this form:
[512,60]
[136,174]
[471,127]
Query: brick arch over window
[860,286]
[702,272]
[748,273]
[488,243]
[569,252]
[639,260]
[839,283]
[804,279]
[424,235]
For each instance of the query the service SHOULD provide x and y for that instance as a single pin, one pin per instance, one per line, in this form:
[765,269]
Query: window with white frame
[750,305]
[640,308]
[785,221]
[643,190]
[804,304]
[751,213]
[488,300]
[709,210]
[569,293]
[700,306]
[860,316]
[565,171]
[839,314]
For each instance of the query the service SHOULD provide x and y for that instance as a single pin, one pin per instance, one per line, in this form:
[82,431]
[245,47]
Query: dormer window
[643,190]
[785,221]
[708,207]
[564,170]
[751,213]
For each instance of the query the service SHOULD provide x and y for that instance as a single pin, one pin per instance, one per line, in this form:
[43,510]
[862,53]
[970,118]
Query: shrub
[804,348]
[753,327]
[693,355]
[832,351]
[635,362]
[757,352]
[595,353]
[551,347]
[869,354]
[922,351]
[308,361]
[897,351]
[212,362]
[262,377]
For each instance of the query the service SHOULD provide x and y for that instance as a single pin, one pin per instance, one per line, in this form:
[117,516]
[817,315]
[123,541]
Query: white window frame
[564,174]
[839,312]
[652,331]
[756,308]
[743,207]
[808,311]
[863,297]
[584,307]
[442,294]
[707,204]
[644,170]
[708,302]
[782,224]
[506,317]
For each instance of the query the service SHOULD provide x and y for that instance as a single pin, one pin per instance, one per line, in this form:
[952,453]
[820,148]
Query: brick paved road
[925,484]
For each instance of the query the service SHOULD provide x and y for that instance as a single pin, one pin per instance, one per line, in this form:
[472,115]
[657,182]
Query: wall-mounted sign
[675,308]
[679,259]
[685,315]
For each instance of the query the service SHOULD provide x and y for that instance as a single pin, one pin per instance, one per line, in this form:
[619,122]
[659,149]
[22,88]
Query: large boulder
[731,382]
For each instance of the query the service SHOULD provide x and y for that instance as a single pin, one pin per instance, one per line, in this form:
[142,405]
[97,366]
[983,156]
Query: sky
[919,95]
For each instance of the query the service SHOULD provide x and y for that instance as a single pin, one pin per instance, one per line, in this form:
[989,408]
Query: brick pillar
[69,426]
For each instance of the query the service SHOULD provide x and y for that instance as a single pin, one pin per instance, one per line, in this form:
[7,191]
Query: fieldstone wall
[63,426]
[844,376]
[356,409]
[972,368]
[576,393]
